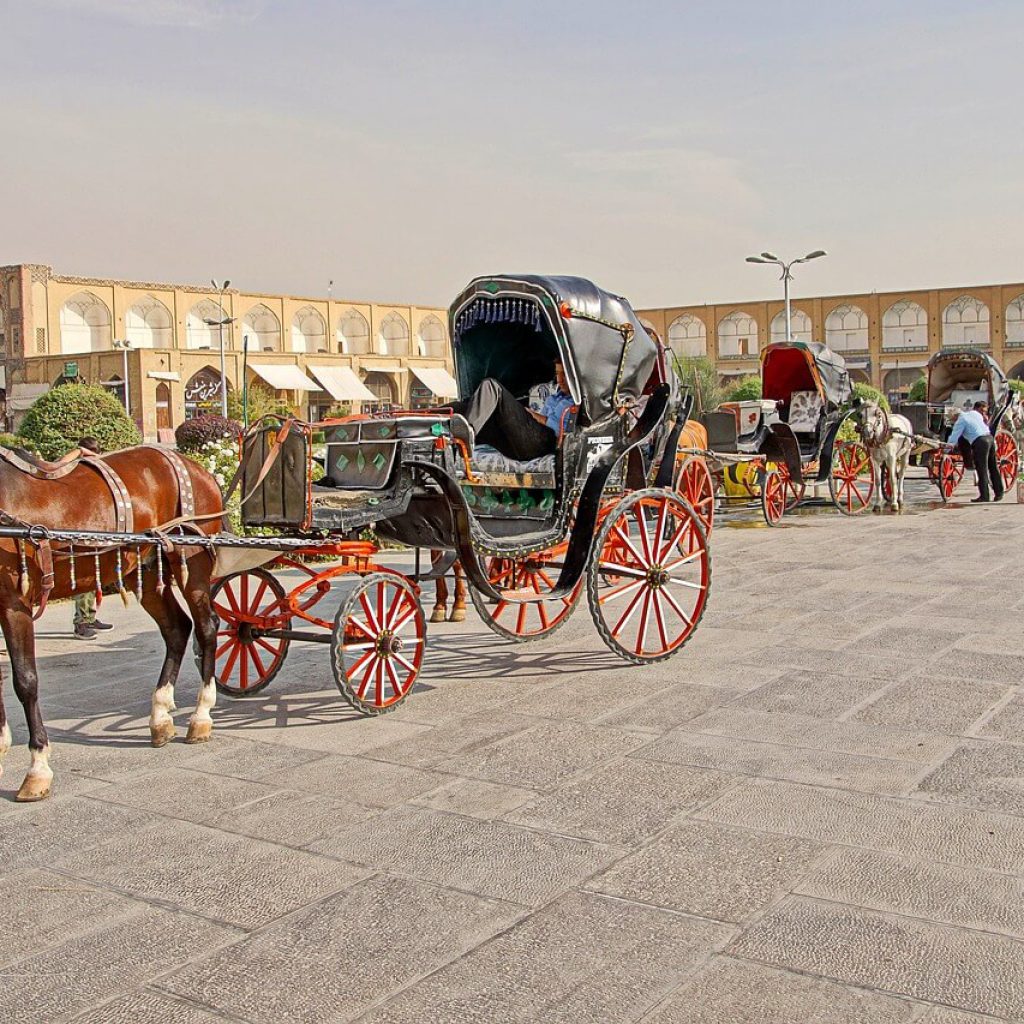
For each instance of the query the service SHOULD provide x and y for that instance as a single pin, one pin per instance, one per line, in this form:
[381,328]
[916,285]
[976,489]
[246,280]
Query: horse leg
[175,628]
[440,612]
[876,482]
[459,604]
[19,633]
[195,588]
[5,729]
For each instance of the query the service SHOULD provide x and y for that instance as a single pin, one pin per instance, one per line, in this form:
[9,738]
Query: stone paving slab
[813,813]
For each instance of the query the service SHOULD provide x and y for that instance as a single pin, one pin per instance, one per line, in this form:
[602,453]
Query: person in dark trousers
[85,622]
[973,427]
[499,420]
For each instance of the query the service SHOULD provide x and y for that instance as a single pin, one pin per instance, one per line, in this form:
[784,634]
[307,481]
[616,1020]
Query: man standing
[972,426]
[85,621]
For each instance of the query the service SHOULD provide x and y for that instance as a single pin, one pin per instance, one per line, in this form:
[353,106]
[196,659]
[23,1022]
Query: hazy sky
[402,147]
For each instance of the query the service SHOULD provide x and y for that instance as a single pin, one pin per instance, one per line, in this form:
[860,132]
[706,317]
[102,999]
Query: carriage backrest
[805,408]
[721,428]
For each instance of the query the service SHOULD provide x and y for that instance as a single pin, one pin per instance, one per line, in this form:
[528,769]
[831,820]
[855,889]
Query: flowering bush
[194,434]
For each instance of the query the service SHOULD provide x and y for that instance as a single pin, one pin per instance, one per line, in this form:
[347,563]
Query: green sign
[71,369]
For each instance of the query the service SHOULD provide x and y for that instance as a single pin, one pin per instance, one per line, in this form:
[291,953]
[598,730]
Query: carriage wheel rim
[851,459]
[379,639]
[661,569]
[534,618]
[696,487]
[244,659]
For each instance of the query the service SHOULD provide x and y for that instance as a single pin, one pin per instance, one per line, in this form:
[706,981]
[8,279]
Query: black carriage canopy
[789,366]
[514,327]
[964,370]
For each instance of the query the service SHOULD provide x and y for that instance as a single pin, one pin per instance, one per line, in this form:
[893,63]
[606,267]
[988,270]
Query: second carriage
[599,515]
[774,447]
[956,379]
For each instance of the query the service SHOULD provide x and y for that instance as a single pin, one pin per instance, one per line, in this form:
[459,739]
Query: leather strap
[123,513]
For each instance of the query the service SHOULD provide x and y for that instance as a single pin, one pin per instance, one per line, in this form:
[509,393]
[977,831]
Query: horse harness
[124,516]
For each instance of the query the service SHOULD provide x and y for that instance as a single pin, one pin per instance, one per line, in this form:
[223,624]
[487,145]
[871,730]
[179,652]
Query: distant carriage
[956,380]
[788,438]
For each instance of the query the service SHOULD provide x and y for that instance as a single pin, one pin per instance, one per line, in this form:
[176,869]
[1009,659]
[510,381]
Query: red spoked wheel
[694,484]
[246,605]
[773,497]
[525,621]
[377,643]
[850,482]
[653,549]
[794,490]
[932,461]
[885,484]
[1008,458]
[951,472]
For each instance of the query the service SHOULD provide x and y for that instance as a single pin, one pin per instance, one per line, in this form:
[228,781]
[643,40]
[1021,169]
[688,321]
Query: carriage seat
[962,398]
[804,412]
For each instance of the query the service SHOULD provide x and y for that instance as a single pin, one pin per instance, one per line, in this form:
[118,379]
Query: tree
[65,413]
[700,375]
[867,393]
[746,390]
[261,402]
[918,390]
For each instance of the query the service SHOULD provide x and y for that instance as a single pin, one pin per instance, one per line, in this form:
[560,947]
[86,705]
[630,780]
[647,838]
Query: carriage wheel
[932,461]
[951,472]
[653,546]
[794,490]
[522,622]
[694,484]
[886,484]
[377,643]
[1008,458]
[850,482]
[773,497]
[246,659]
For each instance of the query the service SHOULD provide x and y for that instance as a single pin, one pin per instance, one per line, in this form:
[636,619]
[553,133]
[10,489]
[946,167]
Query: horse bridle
[868,437]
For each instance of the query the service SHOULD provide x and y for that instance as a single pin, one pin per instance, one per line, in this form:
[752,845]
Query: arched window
[800,324]
[394,335]
[202,393]
[846,329]
[263,328]
[904,325]
[309,331]
[3,331]
[1015,321]
[737,335]
[965,321]
[431,337]
[384,390]
[688,336]
[84,324]
[353,333]
[200,326]
[900,380]
[148,324]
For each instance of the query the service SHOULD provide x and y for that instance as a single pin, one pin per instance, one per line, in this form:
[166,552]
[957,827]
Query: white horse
[889,439]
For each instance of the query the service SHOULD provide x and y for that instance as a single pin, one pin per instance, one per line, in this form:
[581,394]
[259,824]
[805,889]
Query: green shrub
[919,390]
[748,389]
[867,393]
[260,401]
[700,375]
[12,441]
[1016,385]
[64,414]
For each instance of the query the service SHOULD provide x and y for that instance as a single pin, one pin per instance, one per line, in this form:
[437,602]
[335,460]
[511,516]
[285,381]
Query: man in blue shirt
[500,420]
[972,428]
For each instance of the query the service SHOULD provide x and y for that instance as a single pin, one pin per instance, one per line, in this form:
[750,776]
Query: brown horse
[78,497]
[440,612]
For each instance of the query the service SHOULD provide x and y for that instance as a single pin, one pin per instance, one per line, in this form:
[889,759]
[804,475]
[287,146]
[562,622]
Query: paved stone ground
[815,813]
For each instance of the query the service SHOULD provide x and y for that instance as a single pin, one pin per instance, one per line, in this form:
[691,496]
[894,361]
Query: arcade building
[158,347]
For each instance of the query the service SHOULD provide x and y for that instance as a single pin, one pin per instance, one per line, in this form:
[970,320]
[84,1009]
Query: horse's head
[870,421]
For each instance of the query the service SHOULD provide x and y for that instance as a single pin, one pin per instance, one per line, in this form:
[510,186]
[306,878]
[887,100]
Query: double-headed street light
[124,344]
[220,325]
[770,257]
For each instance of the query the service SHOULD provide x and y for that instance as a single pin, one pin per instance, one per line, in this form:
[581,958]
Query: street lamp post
[124,344]
[220,325]
[768,257]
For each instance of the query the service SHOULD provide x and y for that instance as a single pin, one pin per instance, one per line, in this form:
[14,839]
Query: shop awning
[342,384]
[905,364]
[284,376]
[440,381]
[382,368]
[857,364]
[164,375]
[22,396]
[747,371]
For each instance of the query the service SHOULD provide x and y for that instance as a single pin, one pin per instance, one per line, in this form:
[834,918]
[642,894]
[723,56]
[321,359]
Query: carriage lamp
[770,257]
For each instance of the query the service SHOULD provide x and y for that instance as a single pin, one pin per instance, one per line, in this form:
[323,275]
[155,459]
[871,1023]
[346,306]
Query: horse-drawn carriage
[774,446]
[599,513]
[956,379]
